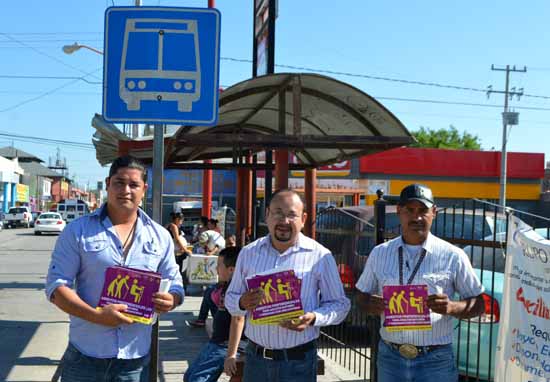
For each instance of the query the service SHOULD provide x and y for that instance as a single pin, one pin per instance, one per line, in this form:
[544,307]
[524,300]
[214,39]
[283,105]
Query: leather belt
[291,354]
[410,351]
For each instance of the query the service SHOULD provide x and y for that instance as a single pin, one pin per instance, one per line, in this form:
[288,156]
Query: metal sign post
[161,66]
[158,167]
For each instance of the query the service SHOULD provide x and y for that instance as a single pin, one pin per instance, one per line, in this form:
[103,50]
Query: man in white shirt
[419,258]
[287,352]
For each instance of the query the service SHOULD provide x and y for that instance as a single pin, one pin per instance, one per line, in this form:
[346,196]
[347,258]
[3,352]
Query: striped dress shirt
[322,291]
[445,269]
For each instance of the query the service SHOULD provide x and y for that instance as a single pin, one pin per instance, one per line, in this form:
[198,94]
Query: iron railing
[479,227]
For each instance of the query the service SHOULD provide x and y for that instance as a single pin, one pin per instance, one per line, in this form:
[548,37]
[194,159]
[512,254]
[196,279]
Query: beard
[282,233]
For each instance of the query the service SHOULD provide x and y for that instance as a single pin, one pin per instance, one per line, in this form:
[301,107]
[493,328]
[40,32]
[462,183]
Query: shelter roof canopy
[320,119]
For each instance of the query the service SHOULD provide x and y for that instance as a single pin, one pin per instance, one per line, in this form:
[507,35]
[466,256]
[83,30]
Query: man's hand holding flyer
[406,308]
[281,300]
[132,287]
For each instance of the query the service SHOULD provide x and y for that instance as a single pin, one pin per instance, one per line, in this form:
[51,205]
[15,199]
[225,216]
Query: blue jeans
[435,366]
[77,367]
[208,366]
[257,368]
[207,304]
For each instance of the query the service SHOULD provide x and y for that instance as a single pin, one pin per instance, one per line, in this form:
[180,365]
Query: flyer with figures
[282,299]
[202,269]
[133,287]
[406,308]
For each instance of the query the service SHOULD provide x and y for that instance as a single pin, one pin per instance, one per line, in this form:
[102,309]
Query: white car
[49,222]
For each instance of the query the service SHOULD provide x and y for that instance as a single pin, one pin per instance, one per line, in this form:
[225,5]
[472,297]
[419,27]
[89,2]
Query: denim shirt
[84,250]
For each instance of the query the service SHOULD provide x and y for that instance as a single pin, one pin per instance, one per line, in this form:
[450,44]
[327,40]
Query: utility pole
[508,118]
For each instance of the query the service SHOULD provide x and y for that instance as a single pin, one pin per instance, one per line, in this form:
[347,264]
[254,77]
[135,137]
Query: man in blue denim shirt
[105,345]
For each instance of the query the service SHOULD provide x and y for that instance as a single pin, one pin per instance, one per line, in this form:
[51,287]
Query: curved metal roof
[320,119]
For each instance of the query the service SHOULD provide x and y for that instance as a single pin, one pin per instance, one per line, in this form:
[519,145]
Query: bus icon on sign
[148,73]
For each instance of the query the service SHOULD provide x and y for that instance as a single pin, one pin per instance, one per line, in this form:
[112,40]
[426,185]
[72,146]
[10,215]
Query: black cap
[417,192]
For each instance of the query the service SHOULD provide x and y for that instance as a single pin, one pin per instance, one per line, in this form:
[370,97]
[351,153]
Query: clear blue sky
[450,43]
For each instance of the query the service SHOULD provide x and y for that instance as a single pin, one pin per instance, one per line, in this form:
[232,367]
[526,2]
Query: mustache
[284,226]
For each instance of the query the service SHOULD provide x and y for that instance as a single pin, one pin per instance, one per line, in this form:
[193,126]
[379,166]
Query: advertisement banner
[523,348]
[22,193]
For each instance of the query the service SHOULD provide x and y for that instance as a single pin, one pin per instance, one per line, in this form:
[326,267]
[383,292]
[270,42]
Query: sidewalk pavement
[32,350]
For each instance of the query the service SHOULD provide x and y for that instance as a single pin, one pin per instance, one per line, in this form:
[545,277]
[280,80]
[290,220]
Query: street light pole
[70,49]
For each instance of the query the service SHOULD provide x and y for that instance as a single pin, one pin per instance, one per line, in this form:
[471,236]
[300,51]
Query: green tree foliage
[446,139]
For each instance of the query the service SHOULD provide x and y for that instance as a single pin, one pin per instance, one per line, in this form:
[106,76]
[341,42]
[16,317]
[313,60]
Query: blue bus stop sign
[161,65]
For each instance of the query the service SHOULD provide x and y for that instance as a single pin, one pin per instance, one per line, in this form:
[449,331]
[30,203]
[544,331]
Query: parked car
[544,232]
[18,216]
[472,336]
[49,222]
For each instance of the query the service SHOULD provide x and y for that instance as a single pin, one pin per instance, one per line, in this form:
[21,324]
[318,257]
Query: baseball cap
[418,192]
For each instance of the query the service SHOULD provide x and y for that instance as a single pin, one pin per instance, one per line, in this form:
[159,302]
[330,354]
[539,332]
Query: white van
[71,209]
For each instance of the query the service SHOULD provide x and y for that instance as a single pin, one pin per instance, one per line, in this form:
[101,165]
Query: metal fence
[479,227]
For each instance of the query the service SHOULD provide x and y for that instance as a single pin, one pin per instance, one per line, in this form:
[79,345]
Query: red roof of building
[452,163]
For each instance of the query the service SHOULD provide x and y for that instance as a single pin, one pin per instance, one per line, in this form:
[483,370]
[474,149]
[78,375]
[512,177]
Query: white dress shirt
[322,291]
[445,269]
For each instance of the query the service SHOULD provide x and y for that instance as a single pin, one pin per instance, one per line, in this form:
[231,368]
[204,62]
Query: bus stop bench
[238,376]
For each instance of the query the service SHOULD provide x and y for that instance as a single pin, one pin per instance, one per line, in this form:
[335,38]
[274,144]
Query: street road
[33,331]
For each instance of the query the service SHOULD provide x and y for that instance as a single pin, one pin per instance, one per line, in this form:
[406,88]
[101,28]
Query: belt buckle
[265,356]
[408,351]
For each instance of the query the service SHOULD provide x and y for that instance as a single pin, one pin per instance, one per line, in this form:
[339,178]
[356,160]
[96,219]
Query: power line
[6,35]
[44,94]
[81,78]
[29,138]
[48,33]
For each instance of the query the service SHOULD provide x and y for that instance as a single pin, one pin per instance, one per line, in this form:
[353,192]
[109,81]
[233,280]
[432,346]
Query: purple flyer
[281,297]
[406,308]
[133,287]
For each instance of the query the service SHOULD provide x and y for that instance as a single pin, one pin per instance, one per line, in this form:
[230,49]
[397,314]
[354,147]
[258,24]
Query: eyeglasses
[279,215]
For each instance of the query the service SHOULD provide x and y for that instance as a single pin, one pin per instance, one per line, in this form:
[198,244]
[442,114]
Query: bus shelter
[319,119]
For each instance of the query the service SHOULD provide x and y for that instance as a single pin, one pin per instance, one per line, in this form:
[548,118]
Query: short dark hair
[289,191]
[213,221]
[230,255]
[204,220]
[128,161]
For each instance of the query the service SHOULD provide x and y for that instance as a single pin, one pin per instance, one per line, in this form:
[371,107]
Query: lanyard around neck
[416,267]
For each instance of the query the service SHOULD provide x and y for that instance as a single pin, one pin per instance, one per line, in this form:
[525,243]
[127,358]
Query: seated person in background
[227,330]
[199,228]
[212,242]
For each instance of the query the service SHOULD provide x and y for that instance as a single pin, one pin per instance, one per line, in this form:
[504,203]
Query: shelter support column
[240,230]
[248,198]
[356,199]
[281,169]
[207,191]
[311,201]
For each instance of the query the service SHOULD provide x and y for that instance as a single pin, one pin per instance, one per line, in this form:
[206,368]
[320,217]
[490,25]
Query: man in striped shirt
[419,258]
[287,352]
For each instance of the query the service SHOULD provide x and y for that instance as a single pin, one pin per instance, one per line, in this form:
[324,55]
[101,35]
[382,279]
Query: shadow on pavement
[15,338]
[16,285]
